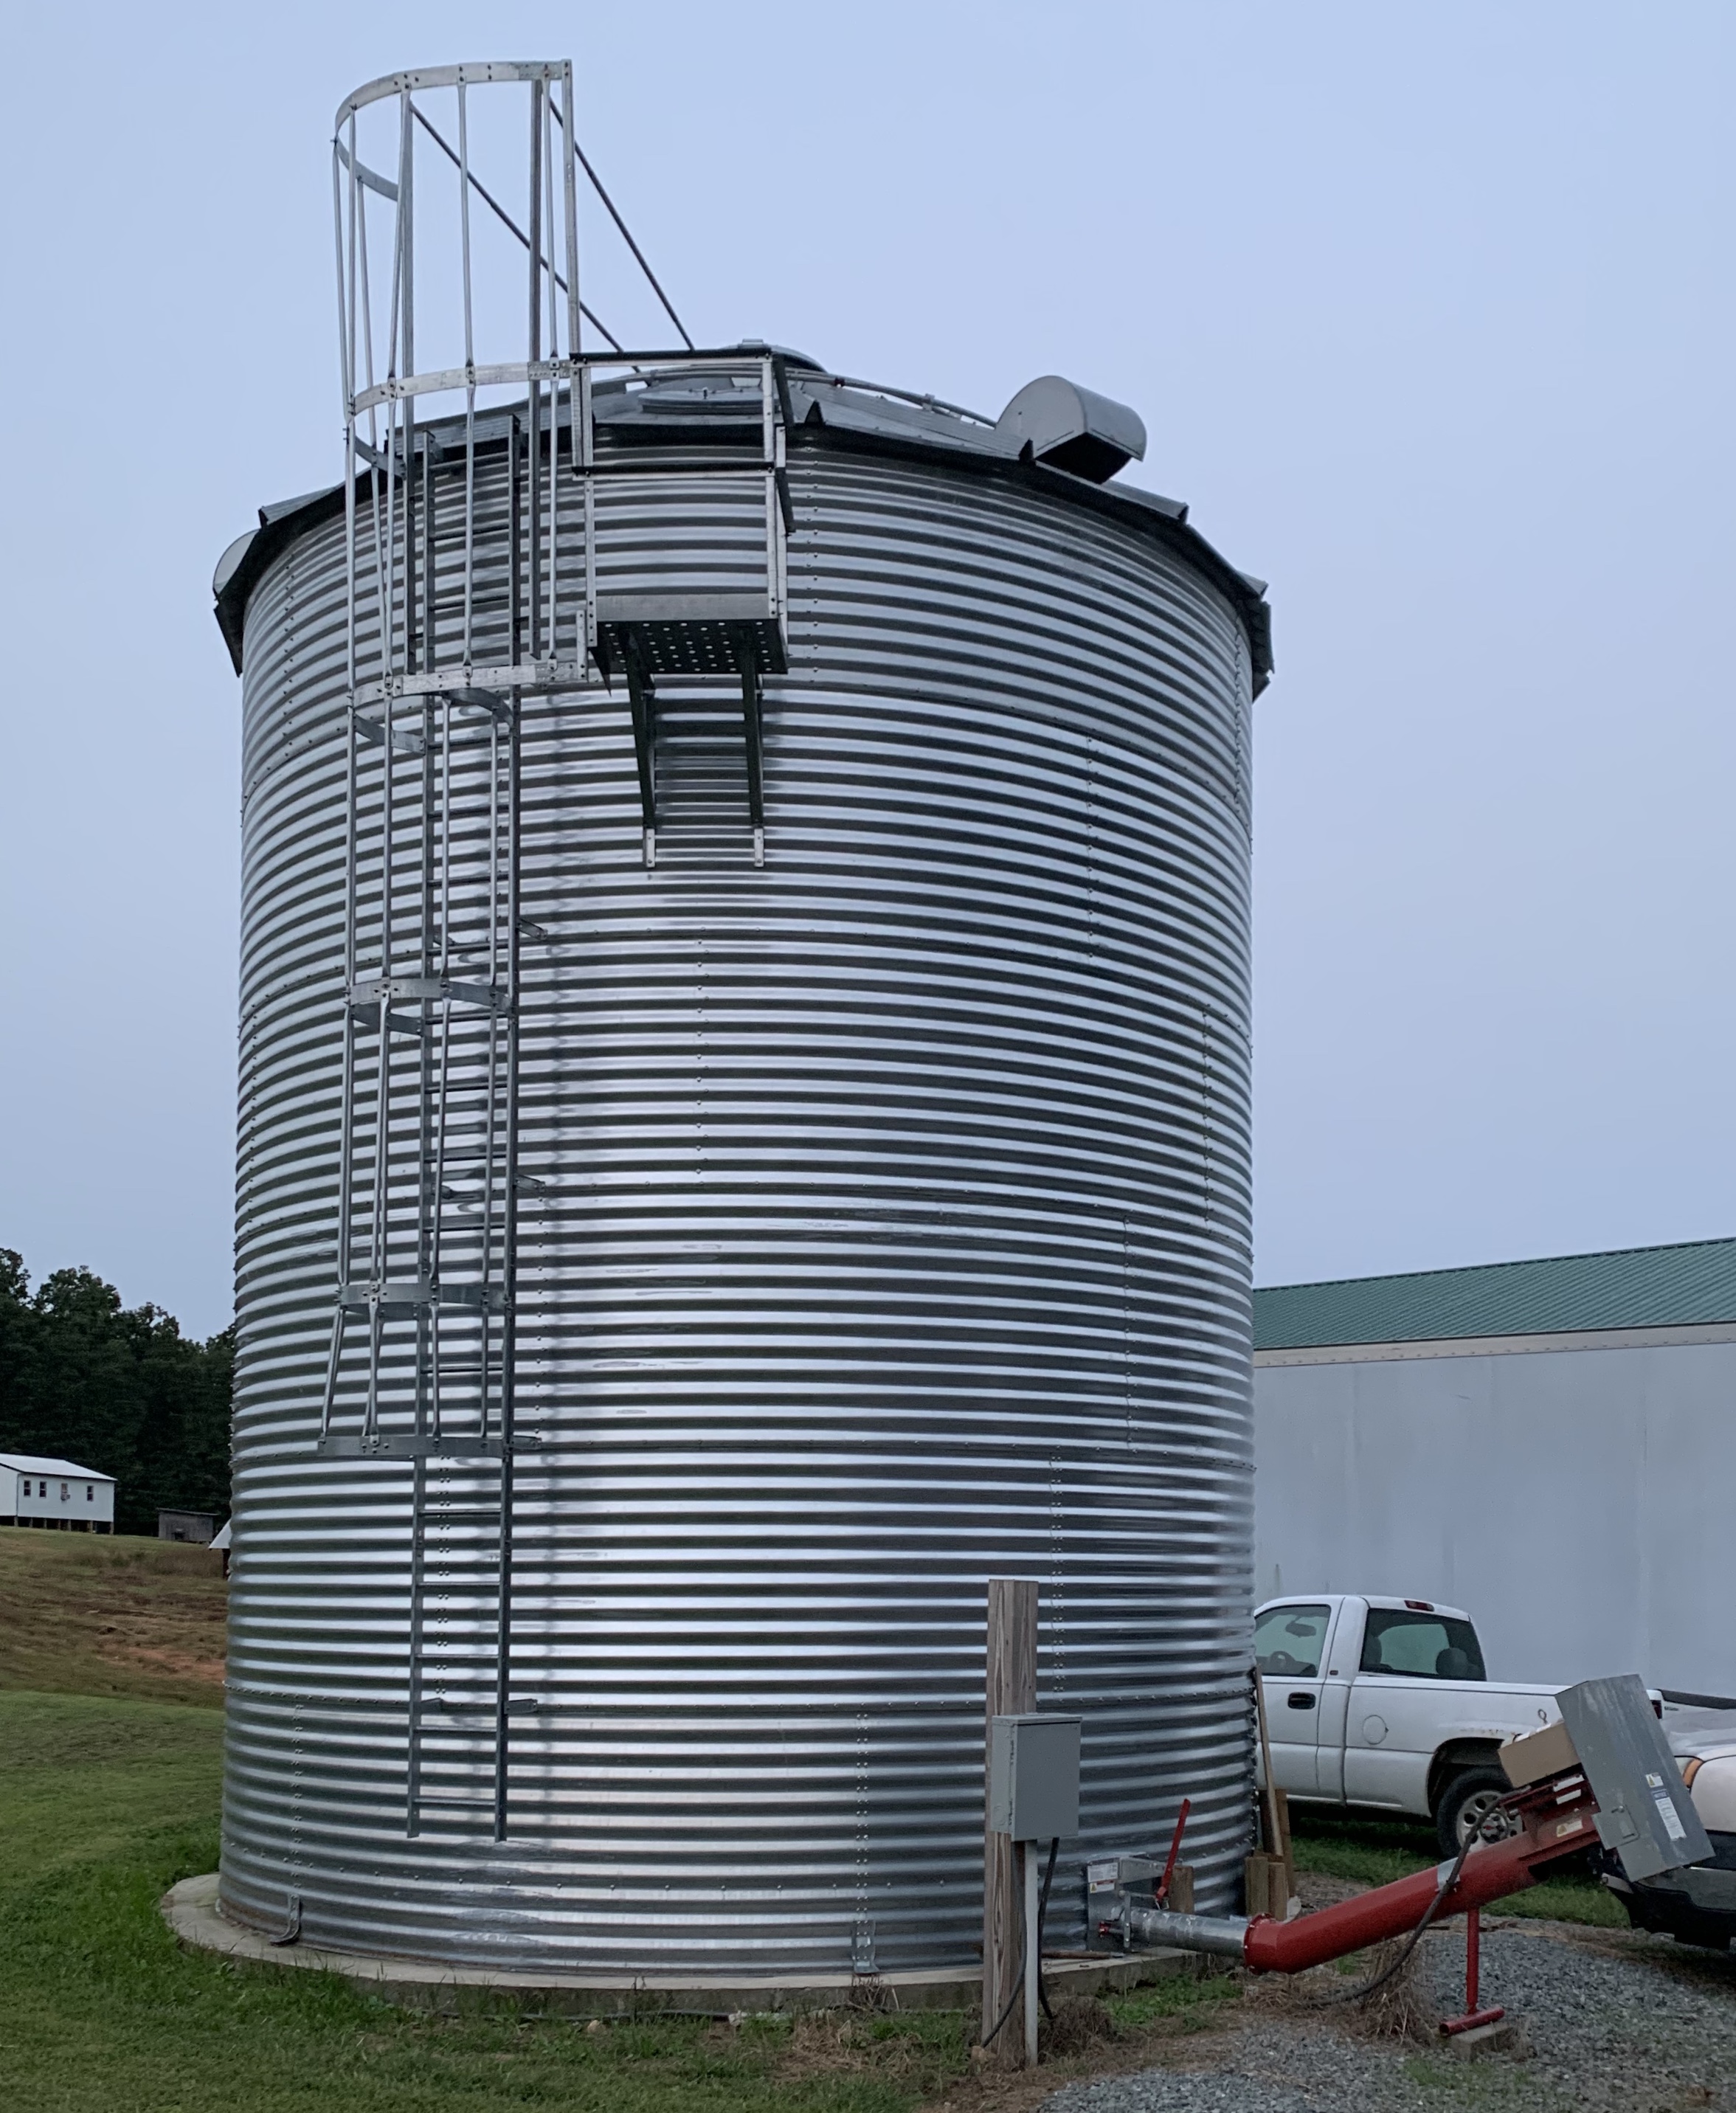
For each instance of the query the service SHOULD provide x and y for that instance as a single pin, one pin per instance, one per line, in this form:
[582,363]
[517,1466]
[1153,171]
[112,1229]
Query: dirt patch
[1402,2008]
[840,2043]
[110,1614]
[178,1665]
[1092,2042]
[1080,2025]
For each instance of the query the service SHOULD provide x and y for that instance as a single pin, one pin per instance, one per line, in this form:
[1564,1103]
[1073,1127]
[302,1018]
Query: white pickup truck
[1383,1702]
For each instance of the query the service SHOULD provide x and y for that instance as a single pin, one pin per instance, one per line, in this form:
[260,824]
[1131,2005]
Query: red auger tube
[1556,1819]
[1490,1874]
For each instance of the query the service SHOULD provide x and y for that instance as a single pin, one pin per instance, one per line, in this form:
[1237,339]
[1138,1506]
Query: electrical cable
[1018,1990]
[1365,1989]
[1018,1977]
[1042,1910]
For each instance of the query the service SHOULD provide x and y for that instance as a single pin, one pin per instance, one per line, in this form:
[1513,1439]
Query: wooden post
[1285,1849]
[1011,1691]
[1269,1883]
[1274,1825]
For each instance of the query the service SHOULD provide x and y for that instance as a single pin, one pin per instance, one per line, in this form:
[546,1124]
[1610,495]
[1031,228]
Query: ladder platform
[692,634]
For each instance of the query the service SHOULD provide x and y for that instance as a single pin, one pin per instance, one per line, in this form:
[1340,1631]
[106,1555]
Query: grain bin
[744,1136]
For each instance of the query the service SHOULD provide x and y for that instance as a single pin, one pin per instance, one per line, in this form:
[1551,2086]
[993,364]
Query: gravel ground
[1611,2020]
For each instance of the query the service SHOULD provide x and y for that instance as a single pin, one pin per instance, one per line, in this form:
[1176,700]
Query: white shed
[37,1491]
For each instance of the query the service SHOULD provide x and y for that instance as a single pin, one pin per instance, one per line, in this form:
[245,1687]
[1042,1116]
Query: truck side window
[1288,1641]
[1422,1646]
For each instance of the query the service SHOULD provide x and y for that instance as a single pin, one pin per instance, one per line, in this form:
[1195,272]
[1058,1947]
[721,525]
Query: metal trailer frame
[433,931]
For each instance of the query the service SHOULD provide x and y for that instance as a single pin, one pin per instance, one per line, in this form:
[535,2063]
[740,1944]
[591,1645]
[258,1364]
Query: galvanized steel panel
[894,1235]
[1613,1466]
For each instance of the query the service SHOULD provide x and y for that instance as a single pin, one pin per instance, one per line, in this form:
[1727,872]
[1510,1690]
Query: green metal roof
[1629,1288]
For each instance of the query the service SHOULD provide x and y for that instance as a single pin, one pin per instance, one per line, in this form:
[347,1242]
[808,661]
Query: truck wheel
[1466,1801]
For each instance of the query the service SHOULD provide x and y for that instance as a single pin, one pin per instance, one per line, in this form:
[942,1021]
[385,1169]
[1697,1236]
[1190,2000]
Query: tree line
[119,1389]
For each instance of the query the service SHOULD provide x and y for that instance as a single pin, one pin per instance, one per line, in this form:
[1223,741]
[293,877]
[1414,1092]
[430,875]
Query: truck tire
[1466,1799]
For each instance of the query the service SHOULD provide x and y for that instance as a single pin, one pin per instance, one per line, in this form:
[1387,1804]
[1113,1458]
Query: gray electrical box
[1644,1813]
[1034,1777]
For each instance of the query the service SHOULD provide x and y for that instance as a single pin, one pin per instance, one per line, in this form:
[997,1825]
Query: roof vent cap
[1057,422]
[230,563]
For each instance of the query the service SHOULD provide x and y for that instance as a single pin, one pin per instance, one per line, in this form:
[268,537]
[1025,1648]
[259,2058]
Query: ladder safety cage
[482,569]
[443,642]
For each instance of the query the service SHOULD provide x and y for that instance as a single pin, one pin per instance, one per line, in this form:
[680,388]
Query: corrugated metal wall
[895,1235]
[1575,1502]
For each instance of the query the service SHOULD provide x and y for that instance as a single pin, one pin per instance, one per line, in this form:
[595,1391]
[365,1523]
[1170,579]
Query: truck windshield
[1287,1641]
[1425,1646]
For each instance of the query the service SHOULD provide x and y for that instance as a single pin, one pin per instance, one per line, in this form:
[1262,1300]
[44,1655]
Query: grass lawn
[109,1779]
[105,1802]
[1374,1852]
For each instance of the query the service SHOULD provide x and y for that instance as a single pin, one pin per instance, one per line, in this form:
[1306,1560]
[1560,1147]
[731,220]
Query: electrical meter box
[1034,1777]
[1644,1812]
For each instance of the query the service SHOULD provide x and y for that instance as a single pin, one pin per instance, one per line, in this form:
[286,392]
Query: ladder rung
[474,684]
[350,1445]
[398,1301]
[367,1015]
[437,990]
[372,730]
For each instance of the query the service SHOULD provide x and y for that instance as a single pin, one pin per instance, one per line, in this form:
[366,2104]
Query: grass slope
[110,1614]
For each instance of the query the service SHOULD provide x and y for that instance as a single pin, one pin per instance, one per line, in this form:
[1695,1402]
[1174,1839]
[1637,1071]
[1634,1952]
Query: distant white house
[35,1491]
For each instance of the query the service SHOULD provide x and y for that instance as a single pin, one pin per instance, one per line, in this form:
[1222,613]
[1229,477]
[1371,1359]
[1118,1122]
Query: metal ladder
[442,652]
[422,1365]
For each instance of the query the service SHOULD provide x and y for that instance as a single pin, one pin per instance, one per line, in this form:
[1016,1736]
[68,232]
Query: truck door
[1408,1655]
[1342,1646]
[1289,1642]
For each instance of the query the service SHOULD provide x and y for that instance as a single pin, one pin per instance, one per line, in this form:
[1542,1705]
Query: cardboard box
[1534,1756]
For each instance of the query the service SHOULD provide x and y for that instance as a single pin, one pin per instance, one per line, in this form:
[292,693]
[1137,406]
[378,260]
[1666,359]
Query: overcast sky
[1427,309]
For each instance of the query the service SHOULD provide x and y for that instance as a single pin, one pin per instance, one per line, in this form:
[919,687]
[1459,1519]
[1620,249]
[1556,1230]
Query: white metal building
[37,1491]
[1550,1445]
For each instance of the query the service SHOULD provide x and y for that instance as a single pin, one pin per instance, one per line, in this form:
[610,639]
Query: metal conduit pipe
[1225,1934]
